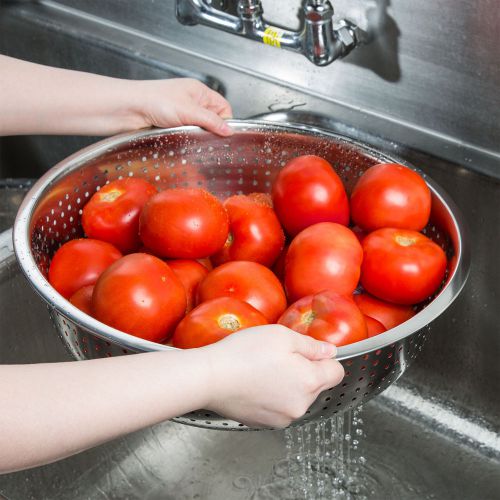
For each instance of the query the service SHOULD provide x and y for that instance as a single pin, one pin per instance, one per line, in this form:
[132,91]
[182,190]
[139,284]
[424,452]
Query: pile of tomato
[180,266]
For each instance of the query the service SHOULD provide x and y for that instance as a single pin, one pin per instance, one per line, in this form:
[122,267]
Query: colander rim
[21,239]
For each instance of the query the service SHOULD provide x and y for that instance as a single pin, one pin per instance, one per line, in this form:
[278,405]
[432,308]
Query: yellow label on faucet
[272,36]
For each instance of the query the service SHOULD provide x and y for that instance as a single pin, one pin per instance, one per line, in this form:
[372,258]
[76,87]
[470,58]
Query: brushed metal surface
[435,65]
[431,80]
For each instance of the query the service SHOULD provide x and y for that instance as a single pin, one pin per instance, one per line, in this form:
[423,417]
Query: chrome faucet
[320,40]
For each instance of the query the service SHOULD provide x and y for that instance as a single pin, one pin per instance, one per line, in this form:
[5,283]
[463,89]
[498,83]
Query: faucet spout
[319,40]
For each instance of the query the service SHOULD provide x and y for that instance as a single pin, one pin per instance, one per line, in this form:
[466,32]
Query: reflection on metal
[320,40]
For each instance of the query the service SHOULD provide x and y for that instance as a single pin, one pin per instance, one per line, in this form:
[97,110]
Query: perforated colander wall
[246,162]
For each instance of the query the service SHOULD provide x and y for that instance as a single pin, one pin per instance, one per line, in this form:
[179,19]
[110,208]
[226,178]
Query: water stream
[323,461]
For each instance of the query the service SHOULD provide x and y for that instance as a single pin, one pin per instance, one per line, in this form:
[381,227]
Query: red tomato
[255,233]
[327,316]
[390,315]
[308,191]
[190,273]
[390,195]
[184,224]
[83,299]
[80,262]
[112,214]
[248,281]
[373,326]
[401,266]
[139,294]
[326,256]
[214,320]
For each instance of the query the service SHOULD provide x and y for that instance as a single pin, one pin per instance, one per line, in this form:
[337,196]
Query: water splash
[324,458]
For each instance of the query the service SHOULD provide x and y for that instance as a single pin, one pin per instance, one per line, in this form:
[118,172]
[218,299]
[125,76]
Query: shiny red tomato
[401,266]
[373,326]
[308,191]
[390,315]
[326,256]
[213,320]
[112,214]
[255,233]
[248,281]
[83,299]
[191,273]
[139,294]
[390,195]
[184,224]
[79,263]
[327,316]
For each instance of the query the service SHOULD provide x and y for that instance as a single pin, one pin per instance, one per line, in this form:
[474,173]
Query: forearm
[36,99]
[50,411]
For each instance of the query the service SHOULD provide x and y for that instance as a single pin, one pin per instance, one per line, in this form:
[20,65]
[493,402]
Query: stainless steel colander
[246,162]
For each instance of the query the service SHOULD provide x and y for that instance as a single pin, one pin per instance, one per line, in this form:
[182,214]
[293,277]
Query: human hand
[269,376]
[182,101]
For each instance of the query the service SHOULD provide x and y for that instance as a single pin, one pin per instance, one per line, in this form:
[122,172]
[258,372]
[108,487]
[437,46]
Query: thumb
[314,349]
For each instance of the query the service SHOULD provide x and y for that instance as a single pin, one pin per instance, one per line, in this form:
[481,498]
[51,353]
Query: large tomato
[83,299]
[308,191]
[390,195]
[327,316]
[214,320]
[390,315]
[191,273]
[255,232]
[248,281]
[139,294]
[112,214]
[401,266]
[80,262]
[184,224]
[326,256]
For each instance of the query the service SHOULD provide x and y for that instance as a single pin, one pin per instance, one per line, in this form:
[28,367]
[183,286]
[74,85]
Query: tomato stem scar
[229,322]
[308,317]
[404,241]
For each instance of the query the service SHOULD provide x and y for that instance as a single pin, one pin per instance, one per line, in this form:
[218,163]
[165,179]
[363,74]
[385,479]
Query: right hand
[268,376]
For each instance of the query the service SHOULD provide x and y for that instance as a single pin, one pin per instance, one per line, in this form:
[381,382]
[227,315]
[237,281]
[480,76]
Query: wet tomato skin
[184,224]
[308,191]
[401,266]
[255,233]
[390,315]
[112,214]
[191,273]
[327,316]
[248,281]
[213,320]
[390,195]
[139,294]
[326,256]
[83,299]
[80,262]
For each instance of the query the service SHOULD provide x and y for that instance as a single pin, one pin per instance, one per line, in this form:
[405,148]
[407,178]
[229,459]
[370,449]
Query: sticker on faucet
[272,36]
